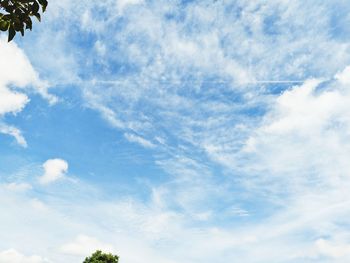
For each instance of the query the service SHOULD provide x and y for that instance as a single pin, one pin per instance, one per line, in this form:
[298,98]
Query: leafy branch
[16,15]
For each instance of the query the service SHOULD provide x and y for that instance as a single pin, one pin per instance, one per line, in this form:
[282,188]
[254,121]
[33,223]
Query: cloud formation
[13,256]
[84,245]
[16,77]
[54,169]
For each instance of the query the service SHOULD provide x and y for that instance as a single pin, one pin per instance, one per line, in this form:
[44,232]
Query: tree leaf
[4,25]
[29,23]
[15,15]
[12,33]
[37,15]
[44,4]
[35,7]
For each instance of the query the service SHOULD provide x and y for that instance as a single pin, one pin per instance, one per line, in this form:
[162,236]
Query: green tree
[16,15]
[99,257]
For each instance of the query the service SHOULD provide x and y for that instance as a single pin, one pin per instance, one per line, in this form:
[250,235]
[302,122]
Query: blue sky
[177,131]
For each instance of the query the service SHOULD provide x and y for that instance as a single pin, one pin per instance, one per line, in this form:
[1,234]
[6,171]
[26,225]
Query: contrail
[274,81]
[203,81]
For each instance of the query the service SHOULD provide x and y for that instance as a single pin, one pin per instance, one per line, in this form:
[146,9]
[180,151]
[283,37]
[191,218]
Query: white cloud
[37,205]
[139,140]
[17,71]
[54,169]
[122,4]
[11,101]
[13,131]
[161,235]
[84,246]
[344,76]
[13,256]
[18,186]
[331,249]
[300,110]
[15,67]
[304,137]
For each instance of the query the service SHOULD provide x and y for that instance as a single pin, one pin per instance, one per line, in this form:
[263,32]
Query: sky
[177,131]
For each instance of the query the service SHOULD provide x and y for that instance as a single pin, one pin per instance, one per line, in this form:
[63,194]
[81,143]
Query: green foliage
[99,257]
[16,15]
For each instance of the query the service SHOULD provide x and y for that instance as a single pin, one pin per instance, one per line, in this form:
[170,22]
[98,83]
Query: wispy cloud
[13,131]
[137,139]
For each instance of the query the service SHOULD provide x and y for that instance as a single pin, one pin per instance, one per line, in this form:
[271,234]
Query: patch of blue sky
[271,25]
[14,163]
[177,15]
[338,20]
[94,148]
